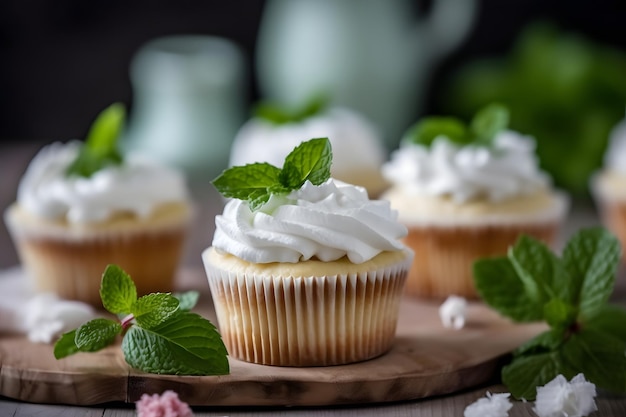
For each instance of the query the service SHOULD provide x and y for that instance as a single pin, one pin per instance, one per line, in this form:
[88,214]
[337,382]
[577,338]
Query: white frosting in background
[137,186]
[325,222]
[506,169]
[615,156]
[42,317]
[355,142]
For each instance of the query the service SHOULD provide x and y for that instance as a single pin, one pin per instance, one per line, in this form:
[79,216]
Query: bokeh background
[565,80]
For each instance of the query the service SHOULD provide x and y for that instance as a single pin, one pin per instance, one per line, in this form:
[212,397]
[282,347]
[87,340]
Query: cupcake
[81,206]
[358,150]
[467,192]
[608,185]
[304,270]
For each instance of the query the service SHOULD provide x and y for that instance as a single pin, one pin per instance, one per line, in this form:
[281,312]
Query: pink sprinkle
[166,405]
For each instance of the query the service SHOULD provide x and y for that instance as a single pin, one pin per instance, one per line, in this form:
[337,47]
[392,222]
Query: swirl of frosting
[325,222]
[508,168]
[136,186]
[615,157]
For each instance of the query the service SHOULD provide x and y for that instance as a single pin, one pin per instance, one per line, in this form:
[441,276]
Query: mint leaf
[310,160]
[66,345]
[153,309]
[96,334]
[117,290]
[488,121]
[542,273]
[187,300]
[428,129]
[547,341]
[247,182]
[608,319]
[281,115]
[256,183]
[499,286]
[526,373]
[592,257]
[187,344]
[601,357]
[558,313]
[586,335]
[100,147]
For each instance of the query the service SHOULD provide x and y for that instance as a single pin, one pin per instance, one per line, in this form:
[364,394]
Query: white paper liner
[307,321]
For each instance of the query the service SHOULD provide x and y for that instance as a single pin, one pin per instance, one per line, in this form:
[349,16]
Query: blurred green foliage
[560,88]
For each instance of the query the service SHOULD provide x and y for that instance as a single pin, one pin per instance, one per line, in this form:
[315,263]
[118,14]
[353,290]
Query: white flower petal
[494,405]
[559,398]
[452,312]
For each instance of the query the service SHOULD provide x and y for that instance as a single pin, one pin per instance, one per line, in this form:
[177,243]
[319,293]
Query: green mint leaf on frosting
[256,183]
[570,294]
[283,115]
[177,347]
[308,161]
[426,130]
[160,335]
[483,128]
[488,121]
[100,147]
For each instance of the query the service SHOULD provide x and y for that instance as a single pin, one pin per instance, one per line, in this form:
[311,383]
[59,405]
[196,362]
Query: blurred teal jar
[188,102]
[374,56]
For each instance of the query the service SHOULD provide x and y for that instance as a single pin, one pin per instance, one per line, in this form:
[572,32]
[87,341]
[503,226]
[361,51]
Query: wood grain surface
[426,360]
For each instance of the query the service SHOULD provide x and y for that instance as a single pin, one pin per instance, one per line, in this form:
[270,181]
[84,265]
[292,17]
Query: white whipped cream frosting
[506,169]
[355,142]
[325,222]
[137,186]
[615,156]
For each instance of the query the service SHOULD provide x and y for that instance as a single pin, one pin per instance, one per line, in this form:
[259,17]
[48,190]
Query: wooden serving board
[426,360]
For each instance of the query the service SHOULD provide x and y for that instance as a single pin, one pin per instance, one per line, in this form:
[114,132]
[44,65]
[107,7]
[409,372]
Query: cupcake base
[444,256]
[70,263]
[307,319]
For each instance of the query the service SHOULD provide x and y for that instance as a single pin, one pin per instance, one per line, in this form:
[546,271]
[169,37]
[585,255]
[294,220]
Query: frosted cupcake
[358,150]
[608,186]
[304,270]
[466,193]
[82,206]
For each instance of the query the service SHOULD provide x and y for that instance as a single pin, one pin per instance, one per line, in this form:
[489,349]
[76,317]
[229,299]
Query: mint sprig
[481,131]
[570,293]
[100,147]
[282,115]
[160,334]
[256,183]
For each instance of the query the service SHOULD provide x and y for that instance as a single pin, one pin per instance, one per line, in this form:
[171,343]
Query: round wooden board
[426,360]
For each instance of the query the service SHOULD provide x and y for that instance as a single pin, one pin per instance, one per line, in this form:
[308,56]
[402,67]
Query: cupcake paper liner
[307,321]
[72,267]
[444,256]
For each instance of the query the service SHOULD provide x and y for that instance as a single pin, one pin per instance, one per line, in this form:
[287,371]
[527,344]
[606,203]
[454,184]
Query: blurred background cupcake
[358,149]
[608,185]
[468,192]
[82,206]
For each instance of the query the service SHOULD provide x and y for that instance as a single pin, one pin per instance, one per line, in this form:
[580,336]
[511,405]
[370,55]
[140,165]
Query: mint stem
[127,321]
